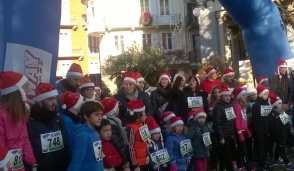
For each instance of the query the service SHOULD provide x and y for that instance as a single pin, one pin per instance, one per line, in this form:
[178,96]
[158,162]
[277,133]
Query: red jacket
[206,85]
[112,158]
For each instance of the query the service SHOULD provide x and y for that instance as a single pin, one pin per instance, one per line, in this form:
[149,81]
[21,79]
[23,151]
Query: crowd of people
[183,124]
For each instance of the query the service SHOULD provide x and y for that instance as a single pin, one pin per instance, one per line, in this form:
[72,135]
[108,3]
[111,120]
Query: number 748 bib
[52,141]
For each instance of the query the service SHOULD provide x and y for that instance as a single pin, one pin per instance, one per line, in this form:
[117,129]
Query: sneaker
[278,162]
[290,167]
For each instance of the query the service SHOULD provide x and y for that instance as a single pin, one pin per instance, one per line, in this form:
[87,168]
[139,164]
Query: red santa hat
[71,101]
[191,114]
[97,86]
[11,81]
[110,106]
[75,70]
[243,86]
[165,116]
[209,70]
[199,112]
[228,72]
[139,77]
[174,121]
[130,77]
[275,100]
[261,79]
[250,91]
[86,82]
[152,125]
[282,63]
[5,157]
[238,93]
[224,91]
[261,90]
[135,106]
[165,75]
[44,91]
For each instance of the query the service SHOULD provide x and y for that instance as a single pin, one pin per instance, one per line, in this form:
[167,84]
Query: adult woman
[129,91]
[13,118]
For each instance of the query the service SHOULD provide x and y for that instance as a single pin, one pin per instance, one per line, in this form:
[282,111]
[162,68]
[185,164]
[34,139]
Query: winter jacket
[278,129]
[117,139]
[241,117]
[71,121]
[282,87]
[176,93]
[161,100]
[53,160]
[221,125]
[232,84]
[86,150]
[195,133]
[206,85]
[249,114]
[260,123]
[172,144]
[123,102]
[154,146]
[15,137]
[112,158]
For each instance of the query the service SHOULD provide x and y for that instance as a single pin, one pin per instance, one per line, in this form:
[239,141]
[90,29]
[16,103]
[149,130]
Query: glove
[241,137]
[173,167]
[248,133]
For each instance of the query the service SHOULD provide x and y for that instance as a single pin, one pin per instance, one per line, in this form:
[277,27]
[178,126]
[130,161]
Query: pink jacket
[240,122]
[15,137]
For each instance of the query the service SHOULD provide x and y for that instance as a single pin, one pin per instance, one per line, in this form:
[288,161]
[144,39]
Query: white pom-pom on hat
[63,106]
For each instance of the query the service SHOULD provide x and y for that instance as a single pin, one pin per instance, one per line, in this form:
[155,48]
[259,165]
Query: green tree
[148,61]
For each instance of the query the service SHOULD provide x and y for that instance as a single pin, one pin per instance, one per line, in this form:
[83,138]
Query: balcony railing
[75,52]
[165,20]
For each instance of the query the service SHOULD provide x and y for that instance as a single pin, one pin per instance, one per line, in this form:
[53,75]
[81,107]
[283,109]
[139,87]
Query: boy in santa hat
[210,80]
[228,78]
[165,123]
[263,81]
[5,157]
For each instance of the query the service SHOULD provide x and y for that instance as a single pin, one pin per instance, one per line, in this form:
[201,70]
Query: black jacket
[221,125]
[278,130]
[260,123]
[56,160]
[282,87]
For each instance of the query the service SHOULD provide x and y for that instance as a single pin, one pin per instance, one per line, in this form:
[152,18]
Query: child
[87,147]
[260,120]
[200,139]
[279,126]
[179,155]
[111,159]
[136,149]
[5,157]
[240,105]
[154,144]
[111,110]
[165,122]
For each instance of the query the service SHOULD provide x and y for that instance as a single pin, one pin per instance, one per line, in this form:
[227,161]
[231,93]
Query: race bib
[16,160]
[230,114]
[144,132]
[244,114]
[194,102]
[52,141]
[160,157]
[265,110]
[186,146]
[98,150]
[284,118]
[206,139]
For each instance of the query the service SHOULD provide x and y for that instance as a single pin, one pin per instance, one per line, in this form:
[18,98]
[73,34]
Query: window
[93,44]
[146,40]
[166,41]
[144,5]
[119,42]
[164,7]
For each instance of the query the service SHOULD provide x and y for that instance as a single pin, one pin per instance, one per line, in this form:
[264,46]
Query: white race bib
[230,114]
[284,118]
[160,157]
[16,160]
[144,132]
[186,146]
[244,114]
[98,150]
[265,110]
[194,102]
[52,141]
[206,139]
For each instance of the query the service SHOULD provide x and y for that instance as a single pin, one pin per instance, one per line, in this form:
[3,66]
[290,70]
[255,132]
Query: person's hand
[147,160]
[164,165]
[155,167]
[188,161]
[249,134]
[222,141]
[137,169]
[173,167]
[127,169]
[241,137]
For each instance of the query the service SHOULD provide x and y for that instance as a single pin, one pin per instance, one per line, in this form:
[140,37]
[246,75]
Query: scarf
[42,115]
[75,118]
[132,96]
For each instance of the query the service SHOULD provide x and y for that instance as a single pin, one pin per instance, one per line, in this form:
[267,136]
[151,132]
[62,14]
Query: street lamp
[196,11]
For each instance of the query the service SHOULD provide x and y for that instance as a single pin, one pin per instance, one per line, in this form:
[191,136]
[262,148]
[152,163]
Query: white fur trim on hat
[168,117]
[263,80]
[4,162]
[178,122]
[191,117]
[241,94]
[78,74]
[229,74]
[130,79]
[164,76]
[136,110]
[77,105]
[154,130]
[15,87]
[263,92]
[210,72]
[225,93]
[112,111]
[277,102]
[199,115]
[87,85]
[46,95]
[140,79]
